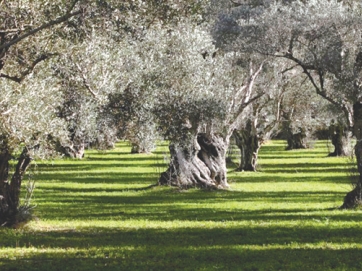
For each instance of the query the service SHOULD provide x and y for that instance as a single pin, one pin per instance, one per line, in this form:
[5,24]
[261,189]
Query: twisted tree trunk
[202,164]
[294,140]
[340,140]
[10,191]
[249,144]
[74,151]
[140,148]
[354,198]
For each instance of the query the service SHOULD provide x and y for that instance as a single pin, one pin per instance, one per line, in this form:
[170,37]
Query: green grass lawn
[101,213]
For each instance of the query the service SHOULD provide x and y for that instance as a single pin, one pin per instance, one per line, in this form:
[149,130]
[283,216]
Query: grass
[102,213]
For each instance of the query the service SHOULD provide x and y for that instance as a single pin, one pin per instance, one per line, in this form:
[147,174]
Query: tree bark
[10,191]
[340,140]
[248,142]
[354,197]
[201,164]
[294,140]
[5,200]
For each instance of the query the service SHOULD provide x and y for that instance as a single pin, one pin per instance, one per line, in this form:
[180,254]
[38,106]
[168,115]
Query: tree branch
[289,69]
[7,31]
[18,79]
[320,90]
[12,78]
[72,5]
[236,4]
[40,28]
[242,99]
[85,82]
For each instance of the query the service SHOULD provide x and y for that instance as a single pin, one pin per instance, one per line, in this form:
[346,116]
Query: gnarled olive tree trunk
[141,148]
[354,198]
[340,139]
[249,144]
[76,151]
[295,140]
[10,191]
[73,151]
[201,164]
[136,148]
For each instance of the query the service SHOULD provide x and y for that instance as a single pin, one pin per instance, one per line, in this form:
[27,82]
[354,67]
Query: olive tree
[96,106]
[28,128]
[301,111]
[262,115]
[323,38]
[29,96]
[197,96]
[88,72]
[261,118]
[32,34]
[132,119]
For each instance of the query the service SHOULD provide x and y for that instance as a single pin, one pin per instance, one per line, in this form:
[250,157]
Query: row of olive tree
[200,90]
[90,72]
[51,53]
[323,39]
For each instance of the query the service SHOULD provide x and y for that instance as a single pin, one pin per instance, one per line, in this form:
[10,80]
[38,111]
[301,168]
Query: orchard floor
[102,213]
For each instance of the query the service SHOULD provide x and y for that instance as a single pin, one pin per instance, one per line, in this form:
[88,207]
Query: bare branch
[251,100]
[251,81]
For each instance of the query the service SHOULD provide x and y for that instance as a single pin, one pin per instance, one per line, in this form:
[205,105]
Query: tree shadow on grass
[99,178]
[242,248]
[239,178]
[136,158]
[192,259]
[154,204]
[108,213]
[306,168]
